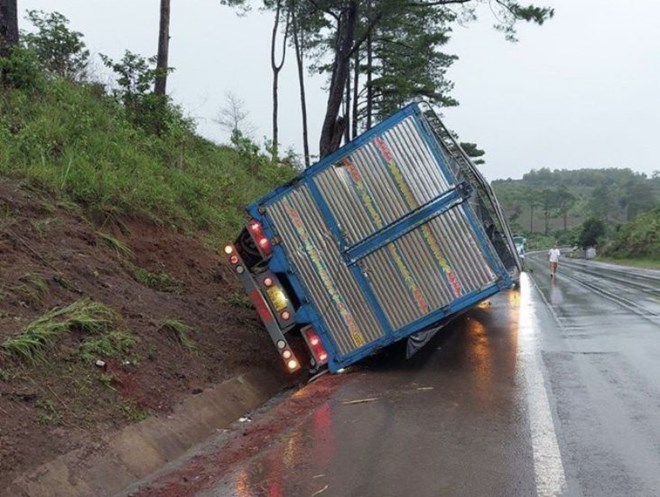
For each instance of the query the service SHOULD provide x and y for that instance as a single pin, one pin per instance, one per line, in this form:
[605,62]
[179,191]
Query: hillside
[546,205]
[177,324]
[113,304]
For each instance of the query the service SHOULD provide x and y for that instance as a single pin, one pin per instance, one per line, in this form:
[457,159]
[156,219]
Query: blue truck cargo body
[392,234]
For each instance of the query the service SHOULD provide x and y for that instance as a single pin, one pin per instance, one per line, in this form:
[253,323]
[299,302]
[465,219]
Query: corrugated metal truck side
[395,233]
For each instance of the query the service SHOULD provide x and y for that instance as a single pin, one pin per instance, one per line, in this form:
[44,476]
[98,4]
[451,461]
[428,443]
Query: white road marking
[548,466]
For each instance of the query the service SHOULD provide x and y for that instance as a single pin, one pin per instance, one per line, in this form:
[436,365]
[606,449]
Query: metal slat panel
[338,190]
[471,251]
[390,290]
[305,269]
[423,269]
[304,266]
[463,250]
[366,192]
[384,193]
[417,162]
[434,283]
[460,254]
[402,309]
[453,245]
[329,281]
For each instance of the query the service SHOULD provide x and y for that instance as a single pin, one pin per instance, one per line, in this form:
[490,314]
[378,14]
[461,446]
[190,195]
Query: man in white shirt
[553,256]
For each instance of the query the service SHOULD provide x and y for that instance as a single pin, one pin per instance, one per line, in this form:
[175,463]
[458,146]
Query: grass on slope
[74,141]
[641,263]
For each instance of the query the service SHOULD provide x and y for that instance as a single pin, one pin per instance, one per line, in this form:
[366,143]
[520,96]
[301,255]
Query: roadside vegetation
[121,151]
[109,204]
[84,316]
[615,210]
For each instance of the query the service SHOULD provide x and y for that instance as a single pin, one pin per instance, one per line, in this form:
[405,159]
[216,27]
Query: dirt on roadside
[188,321]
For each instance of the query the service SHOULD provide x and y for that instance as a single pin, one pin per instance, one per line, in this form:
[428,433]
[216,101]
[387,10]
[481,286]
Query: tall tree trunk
[301,84]
[356,88]
[370,91]
[163,48]
[8,26]
[531,218]
[340,71]
[277,67]
[347,107]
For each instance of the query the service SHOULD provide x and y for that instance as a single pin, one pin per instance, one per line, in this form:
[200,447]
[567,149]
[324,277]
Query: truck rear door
[381,239]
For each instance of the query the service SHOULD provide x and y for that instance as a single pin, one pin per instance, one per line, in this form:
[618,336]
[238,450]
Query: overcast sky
[581,91]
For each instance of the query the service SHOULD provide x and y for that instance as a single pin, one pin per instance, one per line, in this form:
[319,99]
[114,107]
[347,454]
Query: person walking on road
[553,257]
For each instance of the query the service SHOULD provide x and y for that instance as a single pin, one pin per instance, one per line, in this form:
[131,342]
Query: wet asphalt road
[552,389]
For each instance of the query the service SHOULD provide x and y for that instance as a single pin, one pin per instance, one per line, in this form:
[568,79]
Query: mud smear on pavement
[52,255]
[203,470]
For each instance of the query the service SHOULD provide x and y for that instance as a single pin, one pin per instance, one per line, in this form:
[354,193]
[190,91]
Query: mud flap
[417,340]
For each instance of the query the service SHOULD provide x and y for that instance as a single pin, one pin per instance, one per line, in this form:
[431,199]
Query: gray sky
[580,91]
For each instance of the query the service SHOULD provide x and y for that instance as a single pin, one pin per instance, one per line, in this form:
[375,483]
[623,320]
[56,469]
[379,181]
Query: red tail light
[231,254]
[260,238]
[315,345]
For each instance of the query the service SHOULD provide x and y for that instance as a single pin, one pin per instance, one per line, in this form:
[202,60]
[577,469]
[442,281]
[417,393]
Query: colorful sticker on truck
[377,219]
[324,274]
[406,193]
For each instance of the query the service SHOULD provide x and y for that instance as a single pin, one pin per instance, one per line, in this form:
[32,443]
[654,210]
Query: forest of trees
[377,54]
[563,204]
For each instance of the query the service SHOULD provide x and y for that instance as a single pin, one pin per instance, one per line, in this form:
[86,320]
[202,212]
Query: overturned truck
[390,237]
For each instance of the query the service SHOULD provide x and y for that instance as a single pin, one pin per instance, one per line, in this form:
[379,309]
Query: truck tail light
[315,345]
[257,231]
[290,360]
[286,315]
[234,259]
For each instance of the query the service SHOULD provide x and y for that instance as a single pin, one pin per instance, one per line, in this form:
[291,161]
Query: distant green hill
[546,201]
[548,206]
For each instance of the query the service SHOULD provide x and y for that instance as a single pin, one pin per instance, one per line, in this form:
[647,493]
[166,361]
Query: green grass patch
[180,331]
[121,248]
[157,280]
[84,315]
[239,299]
[641,263]
[132,411]
[49,414]
[33,288]
[106,379]
[43,226]
[79,145]
[114,343]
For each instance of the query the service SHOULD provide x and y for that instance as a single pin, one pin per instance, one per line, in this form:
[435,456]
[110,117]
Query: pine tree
[8,26]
